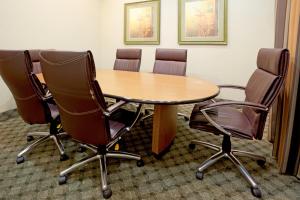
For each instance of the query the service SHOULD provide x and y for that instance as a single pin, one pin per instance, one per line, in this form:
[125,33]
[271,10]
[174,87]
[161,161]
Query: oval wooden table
[164,91]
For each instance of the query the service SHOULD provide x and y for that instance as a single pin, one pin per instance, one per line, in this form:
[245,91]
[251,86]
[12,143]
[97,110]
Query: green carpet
[172,177]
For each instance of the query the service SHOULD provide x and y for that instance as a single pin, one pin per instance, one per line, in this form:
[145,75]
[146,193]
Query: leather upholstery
[15,70]
[53,110]
[115,127]
[35,59]
[227,117]
[128,60]
[263,87]
[170,61]
[81,103]
[274,57]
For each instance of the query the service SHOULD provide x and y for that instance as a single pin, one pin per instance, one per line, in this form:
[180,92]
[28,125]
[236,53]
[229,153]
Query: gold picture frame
[142,23]
[202,22]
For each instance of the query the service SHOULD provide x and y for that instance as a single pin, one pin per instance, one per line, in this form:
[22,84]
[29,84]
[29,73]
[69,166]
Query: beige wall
[250,26]
[52,24]
[98,25]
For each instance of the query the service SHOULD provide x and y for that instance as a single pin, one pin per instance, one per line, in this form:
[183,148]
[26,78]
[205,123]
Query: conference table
[164,91]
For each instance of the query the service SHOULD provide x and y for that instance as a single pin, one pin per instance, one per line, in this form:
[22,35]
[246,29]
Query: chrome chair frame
[102,153]
[225,151]
[53,134]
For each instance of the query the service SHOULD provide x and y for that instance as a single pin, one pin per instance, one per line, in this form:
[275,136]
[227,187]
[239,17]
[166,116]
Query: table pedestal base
[164,128]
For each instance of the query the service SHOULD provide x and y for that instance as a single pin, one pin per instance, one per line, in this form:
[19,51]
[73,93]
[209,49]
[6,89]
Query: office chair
[171,62]
[242,119]
[33,105]
[36,69]
[35,59]
[84,114]
[128,60]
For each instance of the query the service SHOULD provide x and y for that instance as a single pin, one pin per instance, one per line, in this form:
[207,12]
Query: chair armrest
[228,103]
[111,109]
[137,115]
[47,97]
[215,124]
[235,103]
[232,87]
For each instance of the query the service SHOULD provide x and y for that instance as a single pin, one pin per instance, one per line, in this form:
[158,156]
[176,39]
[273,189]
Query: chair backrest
[16,71]
[170,61]
[71,79]
[128,60]
[265,84]
[35,59]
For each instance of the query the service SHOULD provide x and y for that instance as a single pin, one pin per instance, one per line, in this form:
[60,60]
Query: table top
[150,88]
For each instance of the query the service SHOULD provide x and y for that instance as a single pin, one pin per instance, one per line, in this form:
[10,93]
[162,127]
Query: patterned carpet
[172,177]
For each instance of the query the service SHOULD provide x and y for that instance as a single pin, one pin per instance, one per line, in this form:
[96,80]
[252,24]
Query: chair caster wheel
[81,149]
[192,146]
[106,193]
[30,138]
[186,118]
[64,157]
[62,180]
[261,162]
[20,159]
[256,192]
[199,175]
[140,163]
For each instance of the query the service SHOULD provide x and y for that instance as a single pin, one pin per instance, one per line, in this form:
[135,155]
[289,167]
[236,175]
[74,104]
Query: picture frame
[142,23]
[202,22]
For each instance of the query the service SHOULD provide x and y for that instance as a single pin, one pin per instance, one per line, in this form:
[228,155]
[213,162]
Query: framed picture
[142,22]
[202,22]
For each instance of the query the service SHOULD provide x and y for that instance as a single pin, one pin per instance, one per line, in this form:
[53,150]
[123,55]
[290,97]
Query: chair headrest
[61,57]
[171,54]
[272,60]
[129,53]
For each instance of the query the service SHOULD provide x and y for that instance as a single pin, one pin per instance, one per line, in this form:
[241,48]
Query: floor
[172,177]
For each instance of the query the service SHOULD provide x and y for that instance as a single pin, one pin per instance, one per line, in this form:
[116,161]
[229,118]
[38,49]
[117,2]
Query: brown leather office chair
[170,62]
[35,59]
[227,119]
[84,113]
[33,105]
[128,60]
[36,69]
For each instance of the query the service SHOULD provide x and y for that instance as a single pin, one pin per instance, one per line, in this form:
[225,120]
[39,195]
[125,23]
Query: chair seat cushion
[115,128]
[231,119]
[120,119]
[124,116]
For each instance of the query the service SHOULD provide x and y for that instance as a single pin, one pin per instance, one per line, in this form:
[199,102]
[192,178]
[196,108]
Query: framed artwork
[142,22]
[202,22]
